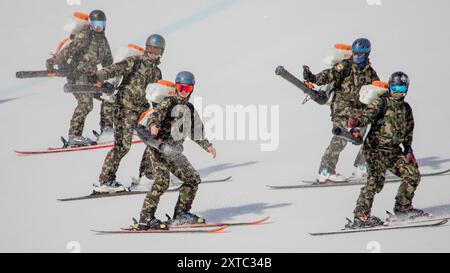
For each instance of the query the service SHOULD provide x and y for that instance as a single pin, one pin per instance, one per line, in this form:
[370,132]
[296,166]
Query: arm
[161,112]
[197,133]
[409,128]
[116,69]
[73,49]
[107,59]
[369,113]
[333,74]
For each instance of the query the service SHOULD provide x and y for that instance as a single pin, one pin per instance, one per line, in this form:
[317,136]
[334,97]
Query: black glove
[308,75]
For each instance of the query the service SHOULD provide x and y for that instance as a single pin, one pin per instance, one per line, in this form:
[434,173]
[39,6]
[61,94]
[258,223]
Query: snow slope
[233,47]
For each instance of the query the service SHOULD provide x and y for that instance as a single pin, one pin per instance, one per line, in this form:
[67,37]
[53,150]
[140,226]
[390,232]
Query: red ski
[77,149]
[130,231]
[251,223]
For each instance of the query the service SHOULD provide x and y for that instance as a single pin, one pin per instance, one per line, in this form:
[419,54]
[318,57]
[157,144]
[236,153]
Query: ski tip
[261,221]
[218,229]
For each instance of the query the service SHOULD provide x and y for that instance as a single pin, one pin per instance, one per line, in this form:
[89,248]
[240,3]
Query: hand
[50,63]
[352,123]
[410,157]
[154,130]
[101,76]
[308,75]
[212,151]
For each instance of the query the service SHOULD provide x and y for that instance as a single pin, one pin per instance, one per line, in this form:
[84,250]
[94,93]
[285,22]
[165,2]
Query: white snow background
[233,47]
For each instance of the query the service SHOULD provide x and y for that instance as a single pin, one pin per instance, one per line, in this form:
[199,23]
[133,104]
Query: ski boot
[79,141]
[106,135]
[409,214]
[109,187]
[365,221]
[185,218]
[325,177]
[153,223]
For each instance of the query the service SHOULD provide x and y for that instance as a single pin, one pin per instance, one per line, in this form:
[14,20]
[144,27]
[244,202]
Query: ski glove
[410,157]
[50,63]
[308,75]
[352,123]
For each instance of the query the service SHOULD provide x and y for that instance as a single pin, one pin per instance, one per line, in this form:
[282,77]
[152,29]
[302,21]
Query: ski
[39,74]
[128,193]
[89,89]
[349,182]
[130,231]
[74,149]
[249,223]
[435,223]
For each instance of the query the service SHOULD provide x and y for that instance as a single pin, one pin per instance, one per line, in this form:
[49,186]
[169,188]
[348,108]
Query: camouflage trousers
[162,167]
[378,162]
[84,107]
[337,145]
[125,122]
[146,166]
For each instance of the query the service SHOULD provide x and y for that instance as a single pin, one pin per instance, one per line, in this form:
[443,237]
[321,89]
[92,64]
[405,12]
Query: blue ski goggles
[98,25]
[398,88]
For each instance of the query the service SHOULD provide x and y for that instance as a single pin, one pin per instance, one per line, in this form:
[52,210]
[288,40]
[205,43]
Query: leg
[411,178]
[337,145]
[331,155]
[146,167]
[376,170]
[184,170]
[84,107]
[162,180]
[123,135]
[106,114]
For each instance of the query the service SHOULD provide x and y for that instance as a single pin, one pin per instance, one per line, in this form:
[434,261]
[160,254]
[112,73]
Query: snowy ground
[233,48]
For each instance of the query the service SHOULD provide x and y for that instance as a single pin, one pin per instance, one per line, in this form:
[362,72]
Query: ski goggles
[398,88]
[98,25]
[184,87]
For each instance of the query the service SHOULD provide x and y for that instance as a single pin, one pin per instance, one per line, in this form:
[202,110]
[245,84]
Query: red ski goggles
[184,87]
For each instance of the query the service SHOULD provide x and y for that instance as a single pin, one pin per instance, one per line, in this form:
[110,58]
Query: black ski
[350,182]
[430,223]
[128,193]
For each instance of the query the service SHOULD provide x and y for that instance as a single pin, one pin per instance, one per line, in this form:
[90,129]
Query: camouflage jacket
[137,71]
[171,115]
[87,50]
[389,129]
[348,78]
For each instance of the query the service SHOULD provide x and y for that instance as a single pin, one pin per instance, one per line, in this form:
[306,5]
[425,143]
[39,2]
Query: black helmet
[399,82]
[97,15]
[157,41]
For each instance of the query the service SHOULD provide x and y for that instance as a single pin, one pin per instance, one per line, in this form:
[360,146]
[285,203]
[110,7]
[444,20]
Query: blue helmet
[361,49]
[185,77]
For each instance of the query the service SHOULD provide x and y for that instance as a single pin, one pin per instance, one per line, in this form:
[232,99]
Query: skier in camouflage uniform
[348,77]
[175,118]
[88,49]
[392,125]
[138,71]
